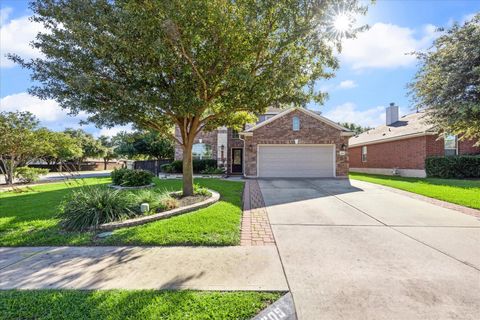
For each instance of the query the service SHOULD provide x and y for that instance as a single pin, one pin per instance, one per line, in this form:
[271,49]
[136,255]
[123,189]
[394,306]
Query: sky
[375,68]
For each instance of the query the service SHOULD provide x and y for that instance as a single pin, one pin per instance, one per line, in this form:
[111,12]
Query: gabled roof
[408,126]
[306,111]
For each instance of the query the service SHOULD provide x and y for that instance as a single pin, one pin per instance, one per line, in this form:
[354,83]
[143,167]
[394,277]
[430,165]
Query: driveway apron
[352,250]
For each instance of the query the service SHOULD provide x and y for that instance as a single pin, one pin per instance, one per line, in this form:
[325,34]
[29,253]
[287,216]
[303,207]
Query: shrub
[28,174]
[131,178]
[200,191]
[117,175]
[167,202]
[198,165]
[167,168]
[453,167]
[89,207]
[137,178]
[211,170]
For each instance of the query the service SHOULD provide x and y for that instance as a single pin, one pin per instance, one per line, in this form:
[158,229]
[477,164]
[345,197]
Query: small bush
[211,170]
[200,191]
[453,167]
[167,168]
[137,178]
[28,174]
[89,207]
[131,178]
[198,165]
[167,203]
[117,175]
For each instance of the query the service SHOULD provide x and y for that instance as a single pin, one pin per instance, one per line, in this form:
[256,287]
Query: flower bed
[215,196]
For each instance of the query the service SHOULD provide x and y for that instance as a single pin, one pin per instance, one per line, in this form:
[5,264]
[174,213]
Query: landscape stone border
[151,185]
[161,215]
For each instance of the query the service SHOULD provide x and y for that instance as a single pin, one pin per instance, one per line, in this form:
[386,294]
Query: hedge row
[198,166]
[453,167]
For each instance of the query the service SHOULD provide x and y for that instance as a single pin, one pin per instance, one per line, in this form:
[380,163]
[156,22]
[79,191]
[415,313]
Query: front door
[237,160]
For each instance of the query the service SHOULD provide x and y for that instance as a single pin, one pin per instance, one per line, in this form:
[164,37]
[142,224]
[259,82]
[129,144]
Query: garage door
[295,161]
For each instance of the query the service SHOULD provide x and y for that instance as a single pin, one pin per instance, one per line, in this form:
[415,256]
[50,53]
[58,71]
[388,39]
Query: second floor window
[235,134]
[295,124]
[364,154]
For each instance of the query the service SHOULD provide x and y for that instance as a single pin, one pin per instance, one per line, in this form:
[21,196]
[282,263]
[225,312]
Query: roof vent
[391,114]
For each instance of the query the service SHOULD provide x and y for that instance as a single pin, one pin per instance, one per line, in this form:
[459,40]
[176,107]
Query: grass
[139,304]
[462,192]
[30,218]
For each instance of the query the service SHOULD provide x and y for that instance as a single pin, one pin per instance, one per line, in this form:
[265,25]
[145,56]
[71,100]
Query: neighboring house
[401,146]
[294,142]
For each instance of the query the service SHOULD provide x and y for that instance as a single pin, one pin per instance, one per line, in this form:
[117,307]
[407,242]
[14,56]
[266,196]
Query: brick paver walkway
[256,230]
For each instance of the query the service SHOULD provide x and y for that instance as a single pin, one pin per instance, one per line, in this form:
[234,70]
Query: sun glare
[342,22]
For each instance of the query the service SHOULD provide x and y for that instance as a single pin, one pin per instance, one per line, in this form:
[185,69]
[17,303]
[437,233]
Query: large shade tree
[447,85]
[196,64]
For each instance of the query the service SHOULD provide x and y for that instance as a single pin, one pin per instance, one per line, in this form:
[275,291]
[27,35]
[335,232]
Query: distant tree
[447,85]
[109,153]
[91,148]
[354,127]
[196,64]
[20,141]
[145,144]
[60,148]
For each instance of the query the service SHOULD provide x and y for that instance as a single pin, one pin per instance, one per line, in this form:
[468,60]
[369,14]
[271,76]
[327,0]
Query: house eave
[402,137]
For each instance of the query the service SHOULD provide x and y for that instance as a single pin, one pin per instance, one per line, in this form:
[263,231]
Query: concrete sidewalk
[200,268]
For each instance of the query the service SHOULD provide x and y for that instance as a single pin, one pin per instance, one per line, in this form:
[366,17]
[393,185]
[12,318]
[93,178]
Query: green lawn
[139,304]
[462,192]
[30,218]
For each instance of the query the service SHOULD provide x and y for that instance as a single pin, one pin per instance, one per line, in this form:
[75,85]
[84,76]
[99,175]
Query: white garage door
[296,161]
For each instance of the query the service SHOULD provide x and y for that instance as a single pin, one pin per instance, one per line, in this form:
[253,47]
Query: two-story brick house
[294,142]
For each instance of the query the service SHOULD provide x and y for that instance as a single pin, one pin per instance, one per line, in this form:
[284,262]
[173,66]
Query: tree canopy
[447,85]
[21,140]
[144,144]
[197,64]
[354,127]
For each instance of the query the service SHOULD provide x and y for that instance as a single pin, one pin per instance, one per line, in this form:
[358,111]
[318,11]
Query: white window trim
[364,159]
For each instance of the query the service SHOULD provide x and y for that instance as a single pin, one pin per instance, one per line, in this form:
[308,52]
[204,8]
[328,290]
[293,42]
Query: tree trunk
[187,170]
[105,161]
[10,171]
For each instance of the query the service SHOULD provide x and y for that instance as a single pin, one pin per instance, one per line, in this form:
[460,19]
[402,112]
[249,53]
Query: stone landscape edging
[161,215]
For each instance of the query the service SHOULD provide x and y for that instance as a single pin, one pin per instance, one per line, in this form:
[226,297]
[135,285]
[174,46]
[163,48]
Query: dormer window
[296,124]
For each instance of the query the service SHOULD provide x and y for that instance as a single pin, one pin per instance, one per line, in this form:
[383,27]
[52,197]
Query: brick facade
[279,131]
[406,153]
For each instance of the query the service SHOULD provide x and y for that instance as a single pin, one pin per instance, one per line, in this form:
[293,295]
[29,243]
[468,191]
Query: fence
[150,165]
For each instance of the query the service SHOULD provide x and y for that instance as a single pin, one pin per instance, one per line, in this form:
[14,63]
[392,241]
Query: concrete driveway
[352,250]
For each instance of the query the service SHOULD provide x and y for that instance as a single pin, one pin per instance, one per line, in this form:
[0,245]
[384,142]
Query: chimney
[391,114]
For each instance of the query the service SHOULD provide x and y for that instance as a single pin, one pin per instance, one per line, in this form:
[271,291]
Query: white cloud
[386,45]
[349,112]
[15,37]
[110,132]
[347,84]
[45,110]
[4,14]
